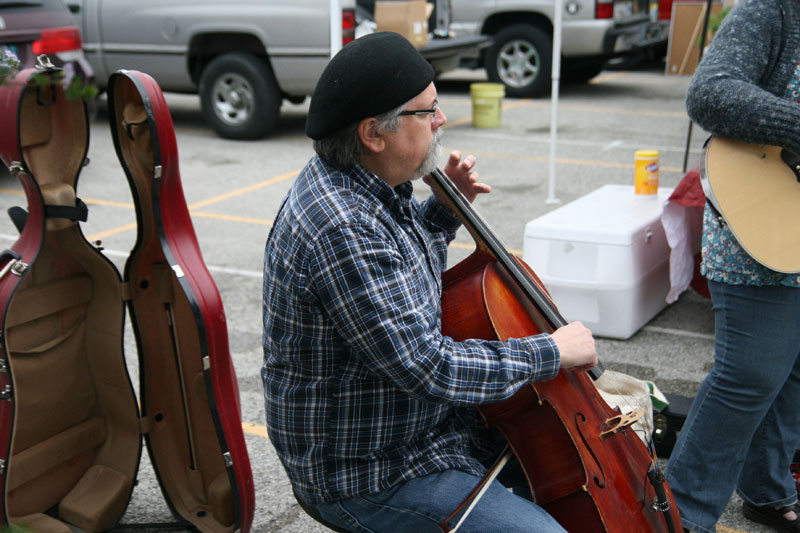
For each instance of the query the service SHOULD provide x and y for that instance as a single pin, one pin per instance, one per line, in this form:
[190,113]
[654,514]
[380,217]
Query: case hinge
[228,459]
[2,467]
[3,366]
[206,362]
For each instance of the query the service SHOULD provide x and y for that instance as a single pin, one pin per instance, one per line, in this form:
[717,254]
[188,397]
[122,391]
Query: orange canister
[646,173]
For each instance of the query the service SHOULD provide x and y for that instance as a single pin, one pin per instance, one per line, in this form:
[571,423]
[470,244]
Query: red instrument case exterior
[70,428]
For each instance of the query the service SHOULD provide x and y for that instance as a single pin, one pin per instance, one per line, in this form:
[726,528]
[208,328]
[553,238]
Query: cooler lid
[612,214]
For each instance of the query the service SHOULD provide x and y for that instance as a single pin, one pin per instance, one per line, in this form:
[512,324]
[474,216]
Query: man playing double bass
[370,408]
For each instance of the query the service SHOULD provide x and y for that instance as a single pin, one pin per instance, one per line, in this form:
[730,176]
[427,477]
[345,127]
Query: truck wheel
[239,96]
[521,59]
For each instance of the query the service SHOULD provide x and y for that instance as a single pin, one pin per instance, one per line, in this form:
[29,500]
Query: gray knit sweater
[738,89]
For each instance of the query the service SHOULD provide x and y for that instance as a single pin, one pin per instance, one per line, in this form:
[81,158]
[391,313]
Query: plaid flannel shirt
[361,388]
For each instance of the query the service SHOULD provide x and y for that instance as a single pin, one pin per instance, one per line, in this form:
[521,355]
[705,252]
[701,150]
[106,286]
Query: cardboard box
[604,258]
[686,25]
[408,18]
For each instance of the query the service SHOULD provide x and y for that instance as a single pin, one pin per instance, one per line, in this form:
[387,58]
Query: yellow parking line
[254,429]
[244,190]
[193,207]
[113,231]
[563,161]
[232,218]
[608,77]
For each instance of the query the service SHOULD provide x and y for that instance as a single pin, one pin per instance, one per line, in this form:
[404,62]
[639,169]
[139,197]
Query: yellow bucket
[486,103]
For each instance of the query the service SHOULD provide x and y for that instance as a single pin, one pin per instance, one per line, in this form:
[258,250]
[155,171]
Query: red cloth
[689,193]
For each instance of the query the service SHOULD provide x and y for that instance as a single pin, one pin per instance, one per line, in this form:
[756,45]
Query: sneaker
[772,517]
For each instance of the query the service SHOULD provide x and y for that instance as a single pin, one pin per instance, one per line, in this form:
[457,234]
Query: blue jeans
[744,424]
[420,504]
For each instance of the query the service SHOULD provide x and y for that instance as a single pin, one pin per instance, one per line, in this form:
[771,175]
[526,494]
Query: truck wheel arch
[239,95]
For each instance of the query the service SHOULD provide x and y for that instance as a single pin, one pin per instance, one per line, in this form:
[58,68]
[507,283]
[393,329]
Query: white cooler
[604,258]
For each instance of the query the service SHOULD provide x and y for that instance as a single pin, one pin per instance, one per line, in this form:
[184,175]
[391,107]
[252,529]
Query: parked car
[30,28]
[593,31]
[243,57]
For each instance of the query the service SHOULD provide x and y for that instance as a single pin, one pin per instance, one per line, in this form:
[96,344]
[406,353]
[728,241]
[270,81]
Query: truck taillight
[58,40]
[605,9]
[348,26]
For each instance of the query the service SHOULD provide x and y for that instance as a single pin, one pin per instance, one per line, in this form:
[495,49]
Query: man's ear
[370,136]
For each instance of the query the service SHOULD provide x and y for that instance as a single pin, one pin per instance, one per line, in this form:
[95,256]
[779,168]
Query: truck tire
[239,96]
[521,59]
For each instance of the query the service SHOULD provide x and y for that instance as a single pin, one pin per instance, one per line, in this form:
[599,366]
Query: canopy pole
[699,57]
[556,78]
[336,26]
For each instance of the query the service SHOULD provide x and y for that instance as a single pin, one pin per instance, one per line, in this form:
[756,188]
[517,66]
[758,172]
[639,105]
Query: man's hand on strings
[462,174]
[576,346]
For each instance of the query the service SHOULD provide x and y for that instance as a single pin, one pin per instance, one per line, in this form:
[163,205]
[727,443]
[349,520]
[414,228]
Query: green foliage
[9,64]
[76,88]
[715,20]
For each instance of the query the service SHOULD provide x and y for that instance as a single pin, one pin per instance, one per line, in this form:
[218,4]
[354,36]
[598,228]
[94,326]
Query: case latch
[15,265]
[16,169]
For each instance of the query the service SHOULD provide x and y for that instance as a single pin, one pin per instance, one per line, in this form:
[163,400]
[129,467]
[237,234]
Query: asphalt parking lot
[233,190]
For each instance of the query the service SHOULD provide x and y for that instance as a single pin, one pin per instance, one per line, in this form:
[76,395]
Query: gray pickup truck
[593,31]
[243,57]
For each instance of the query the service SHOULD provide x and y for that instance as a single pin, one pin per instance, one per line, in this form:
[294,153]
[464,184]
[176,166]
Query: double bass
[584,463]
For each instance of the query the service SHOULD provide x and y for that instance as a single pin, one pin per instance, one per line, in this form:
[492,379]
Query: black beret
[369,76]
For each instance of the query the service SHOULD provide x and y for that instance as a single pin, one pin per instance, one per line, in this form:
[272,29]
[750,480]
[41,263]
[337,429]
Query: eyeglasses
[431,111]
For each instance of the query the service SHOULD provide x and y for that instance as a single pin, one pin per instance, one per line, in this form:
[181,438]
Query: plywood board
[685,27]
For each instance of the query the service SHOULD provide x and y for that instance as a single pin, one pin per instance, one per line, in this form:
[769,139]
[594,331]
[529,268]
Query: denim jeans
[744,424]
[420,504]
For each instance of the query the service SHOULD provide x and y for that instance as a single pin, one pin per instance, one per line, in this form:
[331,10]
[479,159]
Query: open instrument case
[70,428]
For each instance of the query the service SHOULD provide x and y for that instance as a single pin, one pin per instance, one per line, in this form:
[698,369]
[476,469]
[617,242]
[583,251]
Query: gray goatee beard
[431,160]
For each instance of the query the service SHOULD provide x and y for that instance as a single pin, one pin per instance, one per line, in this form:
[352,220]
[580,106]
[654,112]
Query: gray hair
[343,149]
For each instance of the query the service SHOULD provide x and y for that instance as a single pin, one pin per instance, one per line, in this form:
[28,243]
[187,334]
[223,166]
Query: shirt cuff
[545,359]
